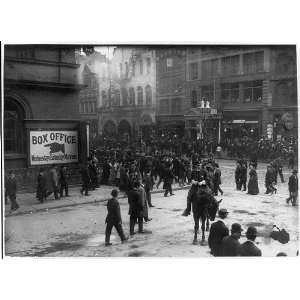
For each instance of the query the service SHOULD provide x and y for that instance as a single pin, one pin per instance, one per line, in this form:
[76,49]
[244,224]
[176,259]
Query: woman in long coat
[252,184]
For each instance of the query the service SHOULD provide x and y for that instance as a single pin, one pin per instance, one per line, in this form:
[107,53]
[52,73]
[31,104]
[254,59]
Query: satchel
[280,235]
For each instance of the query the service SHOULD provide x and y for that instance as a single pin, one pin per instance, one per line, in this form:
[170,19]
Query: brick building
[254,87]
[41,89]
[127,104]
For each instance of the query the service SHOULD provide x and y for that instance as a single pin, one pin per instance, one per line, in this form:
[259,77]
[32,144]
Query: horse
[204,207]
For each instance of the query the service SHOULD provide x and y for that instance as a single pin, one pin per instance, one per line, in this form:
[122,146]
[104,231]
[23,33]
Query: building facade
[41,90]
[254,87]
[171,85]
[127,102]
[93,73]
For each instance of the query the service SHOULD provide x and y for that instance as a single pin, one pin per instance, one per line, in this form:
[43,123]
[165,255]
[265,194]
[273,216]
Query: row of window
[87,107]
[229,65]
[173,105]
[129,96]
[238,92]
[88,93]
[135,68]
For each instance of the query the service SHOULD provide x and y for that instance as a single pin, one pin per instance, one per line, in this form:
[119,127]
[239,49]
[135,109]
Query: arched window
[124,96]
[148,65]
[140,95]
[148,95]
[14,133]
[117,98]
[126,70]
[194,99]
[141,67]
[104,98]
[131,96]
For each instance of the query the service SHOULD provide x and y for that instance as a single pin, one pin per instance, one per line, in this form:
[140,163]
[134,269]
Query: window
[209,68]
[176,106]
[13,127]
[126,70]
[117,98]
[148,91]
[131,96]
[230,65]
[194,99]
[25,52]
[148,65]
[104,98]
[207,93]
[124,96]
[164,105]
[141,67]
[230,92]
[193,71]
[121,69]
[252,91]
[253,62]
[140,95]
[169,62]
[285,63]
[133,69]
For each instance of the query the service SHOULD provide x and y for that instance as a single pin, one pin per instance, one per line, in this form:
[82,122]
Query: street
[79,230]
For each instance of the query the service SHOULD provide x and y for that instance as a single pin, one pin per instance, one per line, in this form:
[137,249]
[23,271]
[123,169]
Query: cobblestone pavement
[79,230]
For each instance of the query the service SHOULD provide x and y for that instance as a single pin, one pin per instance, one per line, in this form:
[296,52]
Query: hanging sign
[53,147]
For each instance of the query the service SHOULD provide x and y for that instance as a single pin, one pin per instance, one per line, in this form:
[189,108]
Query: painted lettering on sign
[53,147]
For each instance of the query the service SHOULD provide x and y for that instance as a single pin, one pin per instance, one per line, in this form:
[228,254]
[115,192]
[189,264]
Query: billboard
[53,147]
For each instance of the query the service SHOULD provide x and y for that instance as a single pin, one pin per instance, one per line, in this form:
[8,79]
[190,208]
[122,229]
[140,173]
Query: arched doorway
[14,130]
[109,129]
[124,128]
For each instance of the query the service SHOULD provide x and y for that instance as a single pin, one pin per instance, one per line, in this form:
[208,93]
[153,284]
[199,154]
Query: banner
[53,147]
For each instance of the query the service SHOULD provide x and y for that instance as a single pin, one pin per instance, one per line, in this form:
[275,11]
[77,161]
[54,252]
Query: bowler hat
[236,227]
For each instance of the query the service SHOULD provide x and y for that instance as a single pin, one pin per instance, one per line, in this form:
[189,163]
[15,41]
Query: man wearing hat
[217,232]
[293,188]
[113,218]
[230,244]
[249,248]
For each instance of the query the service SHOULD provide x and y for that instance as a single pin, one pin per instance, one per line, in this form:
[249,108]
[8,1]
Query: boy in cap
[217,232]
[231,244]
[113,218]
[249,248]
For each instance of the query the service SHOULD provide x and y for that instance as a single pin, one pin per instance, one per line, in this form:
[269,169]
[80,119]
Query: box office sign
[53,147]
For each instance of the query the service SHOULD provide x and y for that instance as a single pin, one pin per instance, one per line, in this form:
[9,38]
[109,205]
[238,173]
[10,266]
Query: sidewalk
[29,204]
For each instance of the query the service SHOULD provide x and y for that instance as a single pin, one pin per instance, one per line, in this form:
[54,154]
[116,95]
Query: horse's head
[213,209]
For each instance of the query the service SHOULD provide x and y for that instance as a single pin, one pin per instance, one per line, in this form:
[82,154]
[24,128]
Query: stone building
[41,89]
[254,87]
[127,104]
[93,72]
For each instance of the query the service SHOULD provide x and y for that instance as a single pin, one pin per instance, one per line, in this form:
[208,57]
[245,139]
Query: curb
[83,203]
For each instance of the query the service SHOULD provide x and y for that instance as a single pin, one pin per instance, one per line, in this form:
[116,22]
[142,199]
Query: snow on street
[79,230]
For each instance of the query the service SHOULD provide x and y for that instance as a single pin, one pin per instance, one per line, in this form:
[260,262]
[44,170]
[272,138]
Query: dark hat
[295,171]
[223,212]
[251,231]
[236,227]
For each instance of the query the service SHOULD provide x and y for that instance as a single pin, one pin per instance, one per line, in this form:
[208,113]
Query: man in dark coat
[85,177]
[249,248]
[168,180]
[238,175]
[218,231]
[136,209]
[293,188]
[113,218]
[148,185]
[93,174]
[243,178]
[41,191]
[11,190]
[63,181]
[230,244]
[217,180]
[269,179]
